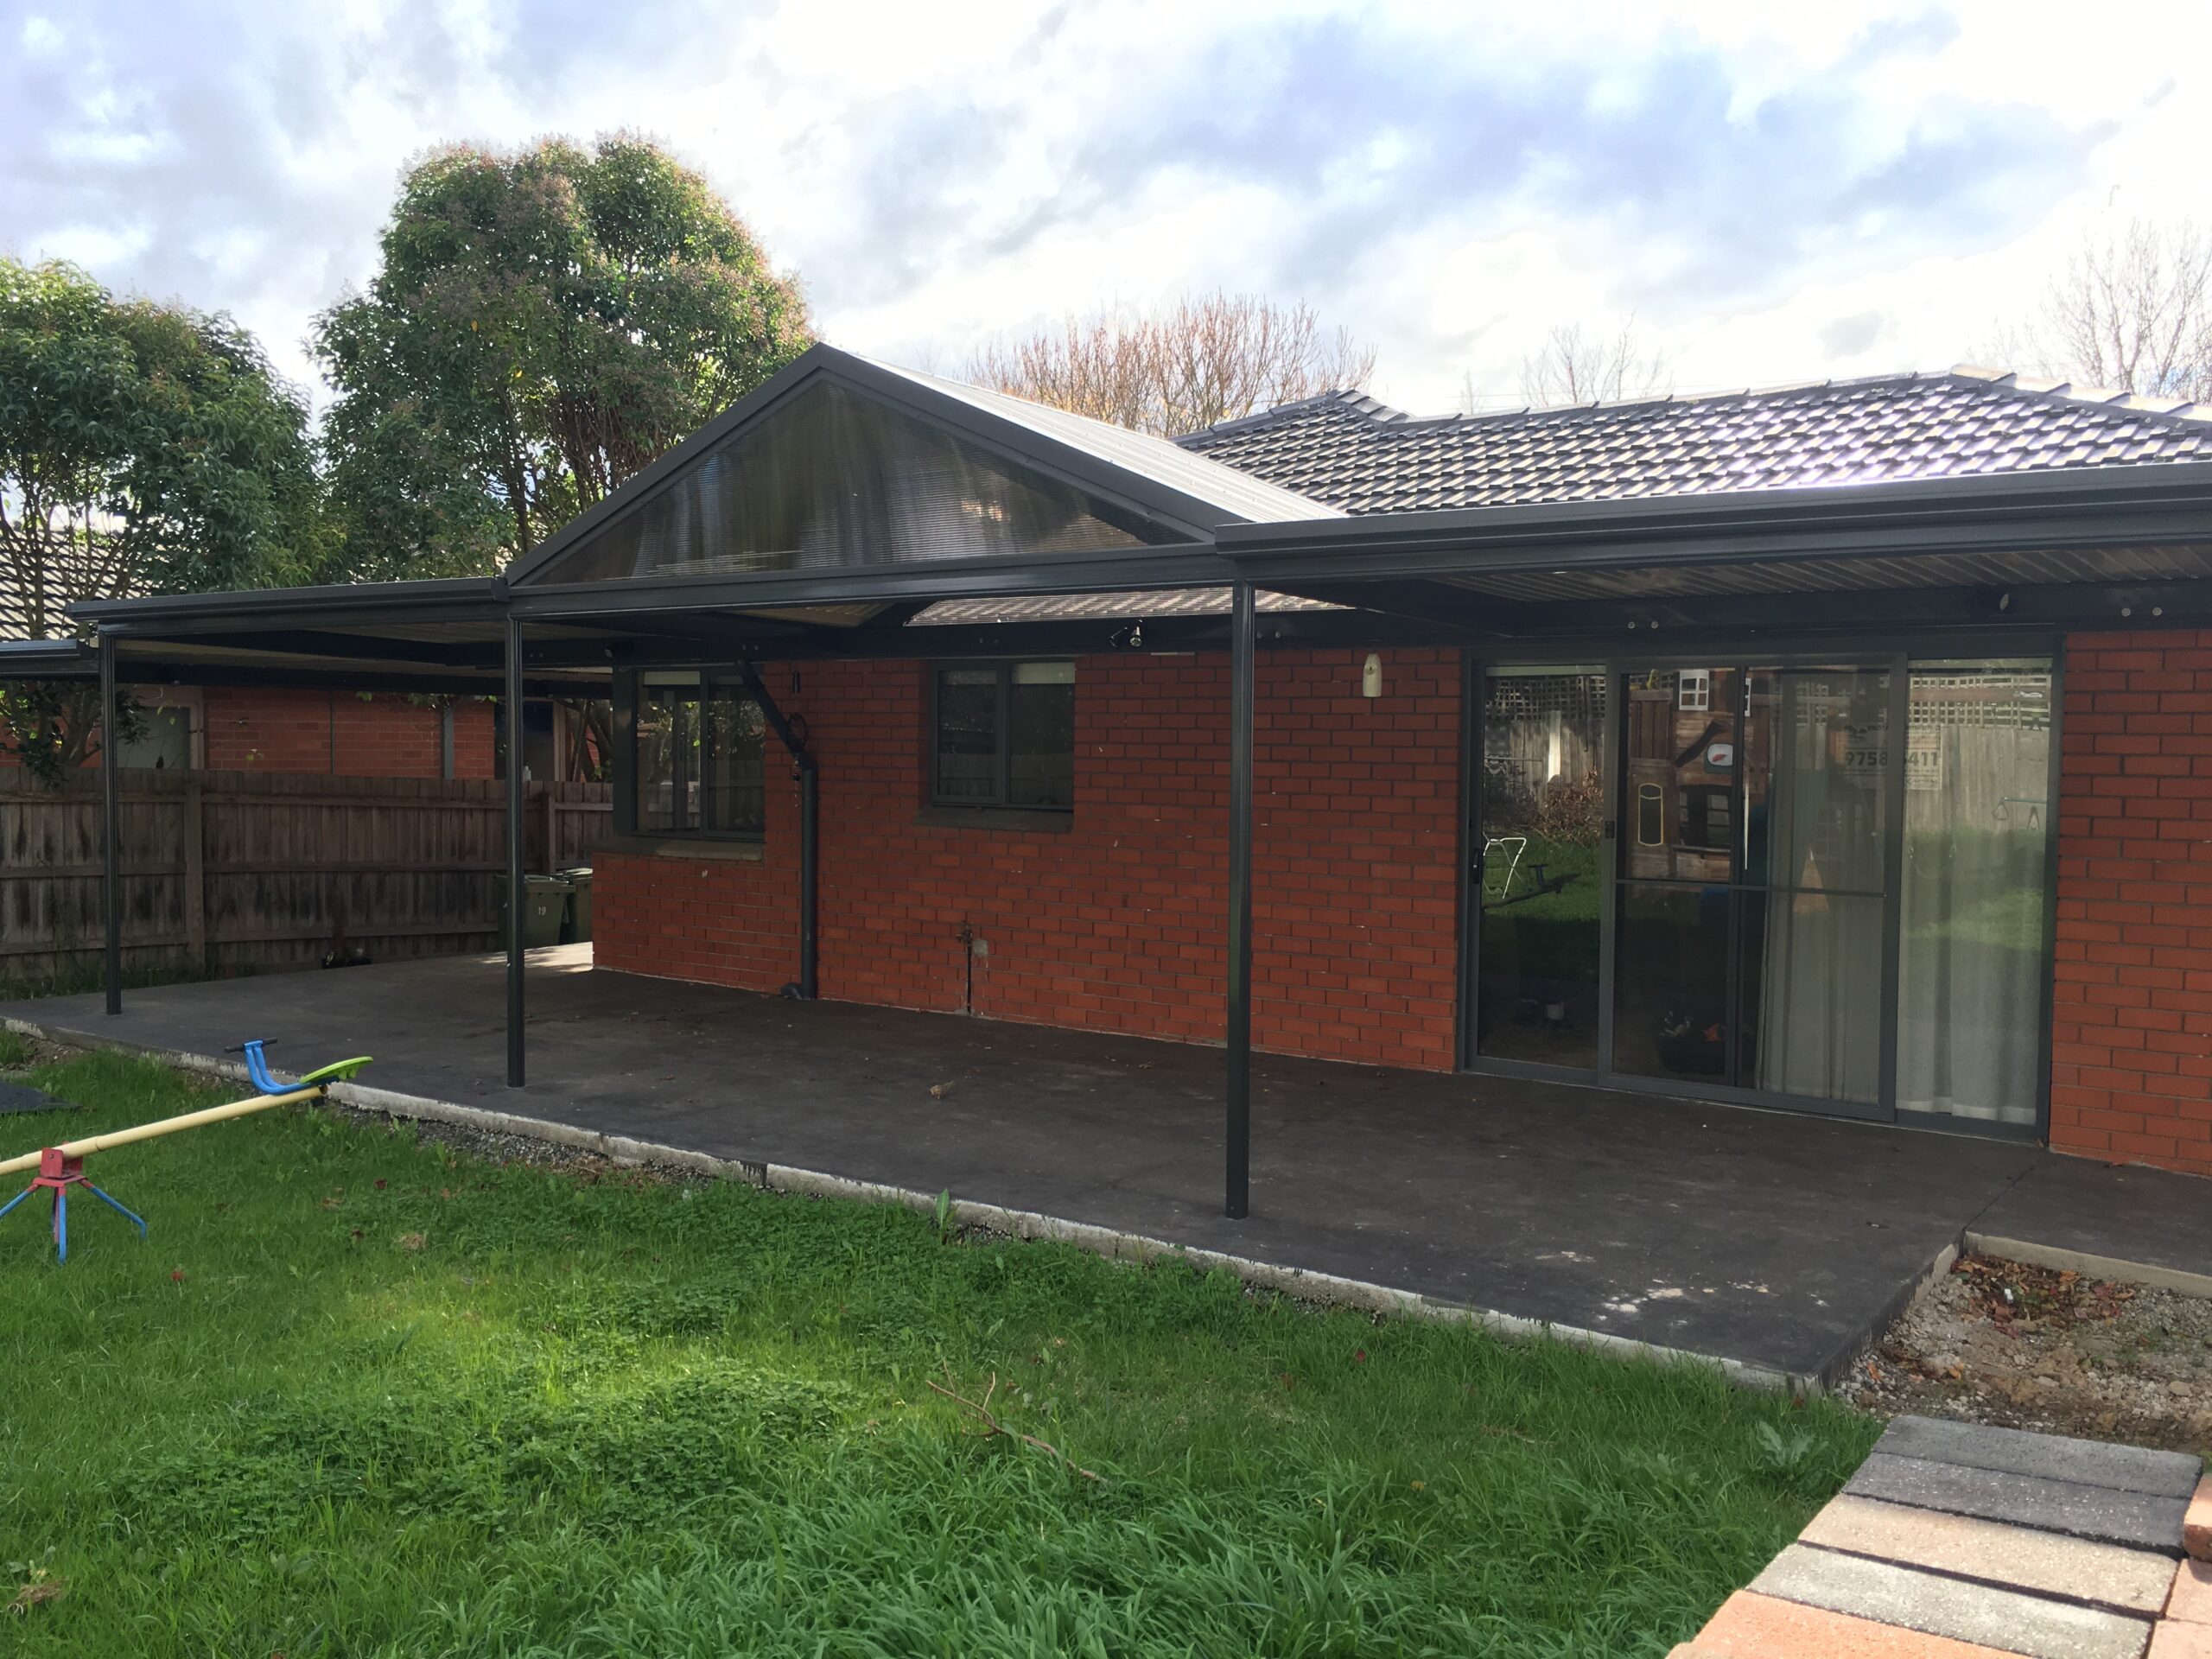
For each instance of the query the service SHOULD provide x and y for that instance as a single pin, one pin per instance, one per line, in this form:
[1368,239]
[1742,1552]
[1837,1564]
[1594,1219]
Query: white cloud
[1777,192]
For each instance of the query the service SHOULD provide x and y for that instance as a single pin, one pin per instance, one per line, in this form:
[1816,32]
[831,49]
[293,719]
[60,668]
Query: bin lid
[577,873]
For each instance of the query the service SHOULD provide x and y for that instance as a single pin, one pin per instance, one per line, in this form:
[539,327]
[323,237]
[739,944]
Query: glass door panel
[1749,942]
[1672,982]
[1816,757]
[1541,876]
[1977,821]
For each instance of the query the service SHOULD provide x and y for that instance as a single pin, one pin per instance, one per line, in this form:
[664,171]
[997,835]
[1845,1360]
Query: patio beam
[510,717]
[1243,649]
[111,829]
[1123,570]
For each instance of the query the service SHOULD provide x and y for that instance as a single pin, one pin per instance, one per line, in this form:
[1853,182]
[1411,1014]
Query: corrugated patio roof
[1364,457]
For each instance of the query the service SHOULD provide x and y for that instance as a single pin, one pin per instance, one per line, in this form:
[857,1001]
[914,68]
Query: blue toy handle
[257,1069]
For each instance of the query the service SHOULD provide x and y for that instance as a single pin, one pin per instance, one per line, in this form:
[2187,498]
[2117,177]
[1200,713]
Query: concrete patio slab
[1778,1242]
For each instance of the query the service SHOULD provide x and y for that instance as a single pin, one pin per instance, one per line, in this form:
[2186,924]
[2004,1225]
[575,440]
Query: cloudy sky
[1776,191]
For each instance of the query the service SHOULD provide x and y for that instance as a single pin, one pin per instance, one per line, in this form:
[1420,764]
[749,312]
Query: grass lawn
[363,1394]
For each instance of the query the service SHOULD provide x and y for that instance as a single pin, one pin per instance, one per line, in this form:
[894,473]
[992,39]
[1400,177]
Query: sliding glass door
[1751,881]
[1799,883]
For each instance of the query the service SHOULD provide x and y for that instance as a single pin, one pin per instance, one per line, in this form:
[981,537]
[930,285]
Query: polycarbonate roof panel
[830,479]
[1238,494]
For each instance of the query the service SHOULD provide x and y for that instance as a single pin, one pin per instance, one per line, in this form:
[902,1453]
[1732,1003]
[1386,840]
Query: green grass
[364,1396]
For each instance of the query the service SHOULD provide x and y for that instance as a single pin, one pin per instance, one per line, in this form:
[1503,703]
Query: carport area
[1776,1241]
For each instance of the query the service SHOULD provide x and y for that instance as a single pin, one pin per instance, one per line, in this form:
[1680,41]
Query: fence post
[110,831]
[195,875]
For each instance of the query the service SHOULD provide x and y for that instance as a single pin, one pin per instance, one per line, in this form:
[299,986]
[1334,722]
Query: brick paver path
[1956,1541]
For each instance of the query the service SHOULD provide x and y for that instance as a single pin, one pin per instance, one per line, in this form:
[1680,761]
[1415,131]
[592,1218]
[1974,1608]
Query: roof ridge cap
[1352,397]
[2046,389]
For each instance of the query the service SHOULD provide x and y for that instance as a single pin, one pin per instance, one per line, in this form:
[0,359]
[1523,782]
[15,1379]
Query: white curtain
[1819,1016]
[1971,968]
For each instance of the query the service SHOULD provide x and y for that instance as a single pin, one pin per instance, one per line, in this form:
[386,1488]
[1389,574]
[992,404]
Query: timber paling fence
[229,871]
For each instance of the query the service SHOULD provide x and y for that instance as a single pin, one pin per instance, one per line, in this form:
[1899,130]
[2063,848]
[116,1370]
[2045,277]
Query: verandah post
[110,827]
[511,714]
[1242,644]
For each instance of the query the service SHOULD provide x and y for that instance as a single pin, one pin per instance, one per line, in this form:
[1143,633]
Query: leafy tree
[1214,357]
[544,324]
[144,449]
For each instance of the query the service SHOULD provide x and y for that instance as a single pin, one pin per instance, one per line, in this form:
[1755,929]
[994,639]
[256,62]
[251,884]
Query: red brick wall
[1118,923]
[2132,1009]
[261,728]
[375,736]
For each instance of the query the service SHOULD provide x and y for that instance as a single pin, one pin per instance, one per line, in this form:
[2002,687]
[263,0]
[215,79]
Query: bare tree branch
[2132,311]
[1594,366]
[1213,356]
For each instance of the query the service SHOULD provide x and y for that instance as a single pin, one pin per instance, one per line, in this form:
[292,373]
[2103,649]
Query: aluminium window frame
[1910,649]
[628,697]
[999,804]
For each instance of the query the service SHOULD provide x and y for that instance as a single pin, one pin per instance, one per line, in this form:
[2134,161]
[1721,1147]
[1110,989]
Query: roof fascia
[1132,491]
[357,604]
[47,659]
[2167,501]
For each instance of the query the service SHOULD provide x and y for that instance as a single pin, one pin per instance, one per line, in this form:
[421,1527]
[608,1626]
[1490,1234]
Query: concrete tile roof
[1357,454]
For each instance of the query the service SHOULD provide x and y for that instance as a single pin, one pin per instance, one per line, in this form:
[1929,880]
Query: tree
[144,449]
[1574,366]
[544,324]
[2132,311]
[1211,357]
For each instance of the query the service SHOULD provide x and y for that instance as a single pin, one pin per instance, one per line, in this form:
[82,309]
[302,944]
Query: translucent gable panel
[831,478]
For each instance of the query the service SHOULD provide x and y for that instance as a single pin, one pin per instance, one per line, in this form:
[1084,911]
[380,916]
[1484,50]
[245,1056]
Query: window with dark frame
[1002,735]
[696,760]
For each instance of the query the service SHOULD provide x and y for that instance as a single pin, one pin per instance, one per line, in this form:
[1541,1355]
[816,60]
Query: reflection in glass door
[1541,875]
[1749,946]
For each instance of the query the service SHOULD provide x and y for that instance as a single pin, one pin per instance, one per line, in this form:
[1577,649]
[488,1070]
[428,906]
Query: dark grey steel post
[110,826]
[1243,646]
[511,714]
[809,797]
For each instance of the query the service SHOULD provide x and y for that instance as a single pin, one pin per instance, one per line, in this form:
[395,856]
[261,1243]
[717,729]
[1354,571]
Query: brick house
[1844,749]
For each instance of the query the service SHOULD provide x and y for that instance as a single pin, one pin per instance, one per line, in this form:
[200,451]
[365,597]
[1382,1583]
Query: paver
[2051,1456]
[1752,1626]
[2191,1600]
[2018,1558]
[2004,1619]
[2196,1527]
[2136,1519]
[2176,1640]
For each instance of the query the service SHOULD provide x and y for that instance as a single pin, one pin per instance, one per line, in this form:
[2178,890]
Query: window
[1004,734]
[1693,689]
[695,757]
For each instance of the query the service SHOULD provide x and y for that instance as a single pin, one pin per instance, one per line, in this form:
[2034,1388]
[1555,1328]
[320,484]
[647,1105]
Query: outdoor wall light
[1370,676]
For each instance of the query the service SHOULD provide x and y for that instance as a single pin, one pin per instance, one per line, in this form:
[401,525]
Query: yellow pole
[93,1143]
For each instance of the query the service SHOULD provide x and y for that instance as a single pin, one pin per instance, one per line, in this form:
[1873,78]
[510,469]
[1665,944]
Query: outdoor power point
[1370,676]
[981,948]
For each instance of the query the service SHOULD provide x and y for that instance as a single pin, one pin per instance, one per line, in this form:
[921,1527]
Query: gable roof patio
[849,509]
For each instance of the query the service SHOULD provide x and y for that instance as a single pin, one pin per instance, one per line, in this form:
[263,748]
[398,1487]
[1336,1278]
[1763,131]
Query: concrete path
[1958,1541]
[1777,1243]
